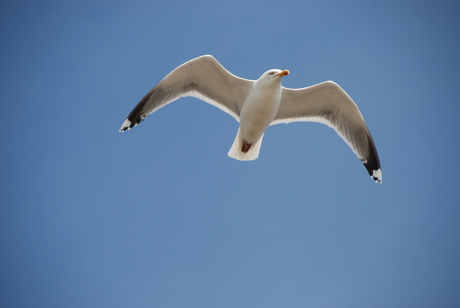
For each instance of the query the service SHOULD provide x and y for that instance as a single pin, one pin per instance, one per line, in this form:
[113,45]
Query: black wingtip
[376,175]
[372,163]
[138,114]
[128,124]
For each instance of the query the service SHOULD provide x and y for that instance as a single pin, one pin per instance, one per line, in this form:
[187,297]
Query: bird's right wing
[204,78]
[329,104]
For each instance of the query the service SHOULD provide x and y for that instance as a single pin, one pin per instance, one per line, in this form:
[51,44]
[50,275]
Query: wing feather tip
[377,175]
[127,125]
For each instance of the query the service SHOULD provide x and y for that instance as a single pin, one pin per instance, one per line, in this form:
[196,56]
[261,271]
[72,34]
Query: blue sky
[160,216]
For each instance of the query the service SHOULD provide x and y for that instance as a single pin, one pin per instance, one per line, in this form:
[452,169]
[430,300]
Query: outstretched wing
[329,104]
[203,78]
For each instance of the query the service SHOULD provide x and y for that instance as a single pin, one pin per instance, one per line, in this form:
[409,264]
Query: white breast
[259,110]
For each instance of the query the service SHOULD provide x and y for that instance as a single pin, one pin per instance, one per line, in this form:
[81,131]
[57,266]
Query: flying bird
[257,104]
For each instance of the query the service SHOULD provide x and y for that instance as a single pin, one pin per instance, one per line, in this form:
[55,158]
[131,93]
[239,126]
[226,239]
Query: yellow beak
[283,73]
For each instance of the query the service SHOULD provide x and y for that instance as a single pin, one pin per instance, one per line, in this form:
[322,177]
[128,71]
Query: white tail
[236,153]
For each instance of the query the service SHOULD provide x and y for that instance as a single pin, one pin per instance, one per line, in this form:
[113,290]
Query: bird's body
[258,112]
[261,103]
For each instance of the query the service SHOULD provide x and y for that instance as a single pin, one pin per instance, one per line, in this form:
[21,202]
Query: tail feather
[236,149]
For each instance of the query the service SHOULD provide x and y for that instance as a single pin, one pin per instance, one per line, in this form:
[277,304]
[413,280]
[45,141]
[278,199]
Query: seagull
[257,104]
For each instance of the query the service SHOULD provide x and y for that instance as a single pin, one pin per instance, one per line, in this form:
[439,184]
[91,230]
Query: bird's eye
[271,73]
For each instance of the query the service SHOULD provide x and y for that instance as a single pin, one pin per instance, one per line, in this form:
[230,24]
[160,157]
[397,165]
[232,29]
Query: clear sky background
[160,216]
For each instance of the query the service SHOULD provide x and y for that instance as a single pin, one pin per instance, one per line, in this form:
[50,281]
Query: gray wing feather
[329,104]
[203,78]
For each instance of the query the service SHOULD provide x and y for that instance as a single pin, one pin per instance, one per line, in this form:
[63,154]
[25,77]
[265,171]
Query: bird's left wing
[329,104]
[204,78]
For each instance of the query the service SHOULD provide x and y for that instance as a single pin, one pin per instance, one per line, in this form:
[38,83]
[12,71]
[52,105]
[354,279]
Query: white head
[273,75]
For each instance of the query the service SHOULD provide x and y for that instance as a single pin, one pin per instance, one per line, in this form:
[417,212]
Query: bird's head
[274,74]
